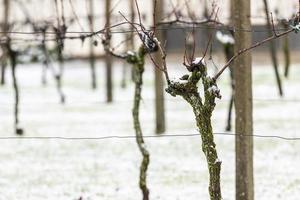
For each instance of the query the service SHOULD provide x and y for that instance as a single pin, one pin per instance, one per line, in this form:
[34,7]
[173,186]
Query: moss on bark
[203,111]
[137,61]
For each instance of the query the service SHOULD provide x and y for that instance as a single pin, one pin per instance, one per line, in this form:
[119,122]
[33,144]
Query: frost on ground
[108,169]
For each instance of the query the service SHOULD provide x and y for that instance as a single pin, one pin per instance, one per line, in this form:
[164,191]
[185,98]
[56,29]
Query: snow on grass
[108,169]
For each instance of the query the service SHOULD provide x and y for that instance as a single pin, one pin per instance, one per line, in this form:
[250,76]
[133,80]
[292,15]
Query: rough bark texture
[243,103]
[108,58]
[159,82]
[137,60]
[138,68]
[203,111]
[273,49]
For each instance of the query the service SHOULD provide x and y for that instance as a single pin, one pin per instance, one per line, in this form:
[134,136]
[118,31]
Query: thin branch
[163,56]
[75,15]
[210,36]
[250,48]
[57,13]
[181,21]
[63,12]
[191,15]
[139,14]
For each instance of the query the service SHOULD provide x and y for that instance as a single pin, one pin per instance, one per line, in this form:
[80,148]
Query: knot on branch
[131,57]
[198,64]
[178,87]
[187,85]
[213,90]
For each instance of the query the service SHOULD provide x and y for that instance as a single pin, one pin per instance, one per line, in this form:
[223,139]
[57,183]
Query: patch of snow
[199,61]
[218,161]
[130,53]
[178,80]
[214,89]
[56,169]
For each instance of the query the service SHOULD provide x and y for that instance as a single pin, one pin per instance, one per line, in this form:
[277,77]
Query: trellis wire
[88,34]
[167,27]
[121,137]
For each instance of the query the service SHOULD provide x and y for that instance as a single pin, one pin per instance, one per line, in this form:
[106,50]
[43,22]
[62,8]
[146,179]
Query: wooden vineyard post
[243,103]
[160,123]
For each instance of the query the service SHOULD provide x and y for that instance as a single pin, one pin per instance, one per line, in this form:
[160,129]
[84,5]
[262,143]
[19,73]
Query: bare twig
[210,36]
[163,56]
[249,49]
[181,21]
[75,15]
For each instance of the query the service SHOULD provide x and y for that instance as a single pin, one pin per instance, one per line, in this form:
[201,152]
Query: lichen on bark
[137,61]
[188,90]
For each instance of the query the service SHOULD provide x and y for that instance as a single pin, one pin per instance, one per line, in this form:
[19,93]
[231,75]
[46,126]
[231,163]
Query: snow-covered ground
[108,169]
